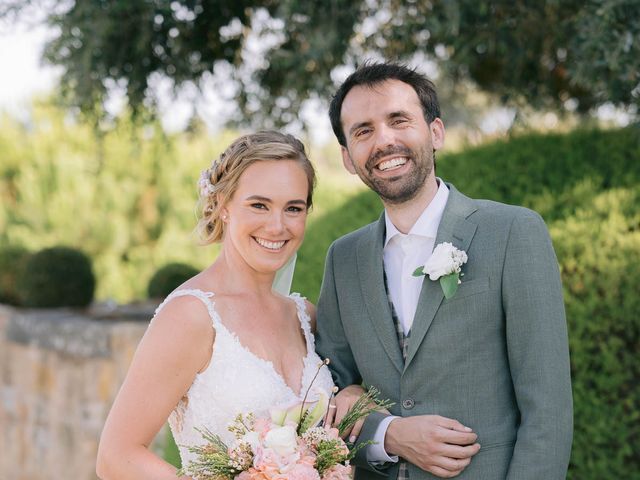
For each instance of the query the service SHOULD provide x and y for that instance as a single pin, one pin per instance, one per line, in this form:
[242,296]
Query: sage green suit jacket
[494,357]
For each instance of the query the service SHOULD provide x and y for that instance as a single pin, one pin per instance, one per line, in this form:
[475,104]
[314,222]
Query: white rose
[444,260]
[282,440]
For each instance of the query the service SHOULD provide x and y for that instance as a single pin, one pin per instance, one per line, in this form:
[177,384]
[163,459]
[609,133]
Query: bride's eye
[259,206]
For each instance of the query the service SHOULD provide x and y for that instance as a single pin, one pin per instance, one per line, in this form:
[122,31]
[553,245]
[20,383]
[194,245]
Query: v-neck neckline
[268,363]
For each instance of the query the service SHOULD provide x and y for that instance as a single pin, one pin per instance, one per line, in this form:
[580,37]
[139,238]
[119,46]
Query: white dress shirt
[402,254]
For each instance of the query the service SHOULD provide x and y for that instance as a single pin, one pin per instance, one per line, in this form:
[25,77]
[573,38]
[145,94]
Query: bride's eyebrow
[260,198]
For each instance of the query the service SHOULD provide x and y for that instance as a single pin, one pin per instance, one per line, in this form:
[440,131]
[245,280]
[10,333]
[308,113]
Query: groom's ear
[436,127]
[346,160]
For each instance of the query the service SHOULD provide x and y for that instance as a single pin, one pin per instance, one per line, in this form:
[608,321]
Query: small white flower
[444,260]
[253,439]
[205,186]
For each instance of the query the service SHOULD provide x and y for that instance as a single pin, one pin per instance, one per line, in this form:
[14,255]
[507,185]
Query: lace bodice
[238,381]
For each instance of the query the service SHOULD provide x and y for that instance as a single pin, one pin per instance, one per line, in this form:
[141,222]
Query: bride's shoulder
[186,313]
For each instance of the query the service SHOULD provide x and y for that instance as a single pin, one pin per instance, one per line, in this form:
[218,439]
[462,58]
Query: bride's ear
[224,212]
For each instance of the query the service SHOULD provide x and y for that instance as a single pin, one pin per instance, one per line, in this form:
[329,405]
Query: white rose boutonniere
[444,263]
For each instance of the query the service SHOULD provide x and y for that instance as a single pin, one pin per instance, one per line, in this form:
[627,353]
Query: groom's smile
[392,164]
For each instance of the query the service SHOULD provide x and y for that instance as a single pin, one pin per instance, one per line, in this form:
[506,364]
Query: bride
[224,342]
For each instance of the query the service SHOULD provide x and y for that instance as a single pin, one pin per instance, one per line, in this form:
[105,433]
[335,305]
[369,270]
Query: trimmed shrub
[57,277]
[12,263]
[167,278]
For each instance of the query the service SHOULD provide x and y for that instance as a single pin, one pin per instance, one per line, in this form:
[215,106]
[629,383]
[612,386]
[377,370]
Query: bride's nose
[275,222]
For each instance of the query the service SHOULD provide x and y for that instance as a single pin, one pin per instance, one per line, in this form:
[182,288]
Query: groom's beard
[400,189]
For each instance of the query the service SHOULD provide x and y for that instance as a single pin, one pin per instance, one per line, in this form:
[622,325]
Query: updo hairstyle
[219,183]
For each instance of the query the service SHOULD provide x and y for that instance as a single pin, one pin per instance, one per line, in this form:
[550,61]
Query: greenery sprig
[212,460]
[369,402]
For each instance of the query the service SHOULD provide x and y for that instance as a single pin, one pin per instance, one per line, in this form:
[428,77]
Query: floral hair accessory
[444,264]
[205,186]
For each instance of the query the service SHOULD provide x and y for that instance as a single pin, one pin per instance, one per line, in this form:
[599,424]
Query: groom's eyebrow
[357,126]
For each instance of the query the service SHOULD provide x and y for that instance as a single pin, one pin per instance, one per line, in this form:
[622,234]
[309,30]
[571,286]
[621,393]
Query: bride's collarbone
[262,326]
[243,312]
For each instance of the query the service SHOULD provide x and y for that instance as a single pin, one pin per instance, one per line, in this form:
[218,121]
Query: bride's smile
[271,245]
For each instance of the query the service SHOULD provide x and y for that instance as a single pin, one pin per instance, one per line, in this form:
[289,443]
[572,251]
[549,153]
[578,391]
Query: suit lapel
[371,274]
[456,229]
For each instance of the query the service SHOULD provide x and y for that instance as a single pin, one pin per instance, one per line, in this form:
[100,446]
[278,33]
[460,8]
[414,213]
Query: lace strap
[205,297]
[304,318]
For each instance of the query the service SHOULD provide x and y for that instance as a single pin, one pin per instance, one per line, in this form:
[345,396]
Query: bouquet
[290,444]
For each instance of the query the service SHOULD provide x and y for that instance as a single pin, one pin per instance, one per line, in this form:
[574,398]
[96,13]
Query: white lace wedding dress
[237,381]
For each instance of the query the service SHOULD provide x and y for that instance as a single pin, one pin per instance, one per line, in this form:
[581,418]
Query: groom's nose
[385,137]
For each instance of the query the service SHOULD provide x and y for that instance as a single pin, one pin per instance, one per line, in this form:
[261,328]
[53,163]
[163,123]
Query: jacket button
[408,403]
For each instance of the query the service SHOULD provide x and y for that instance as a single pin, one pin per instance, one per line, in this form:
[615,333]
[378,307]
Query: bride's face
[266,216]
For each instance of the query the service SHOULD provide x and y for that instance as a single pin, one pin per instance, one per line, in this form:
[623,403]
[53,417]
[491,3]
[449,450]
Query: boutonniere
[444,264]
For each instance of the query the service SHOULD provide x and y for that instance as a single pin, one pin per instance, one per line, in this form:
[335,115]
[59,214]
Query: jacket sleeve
[537,344]
[332,343]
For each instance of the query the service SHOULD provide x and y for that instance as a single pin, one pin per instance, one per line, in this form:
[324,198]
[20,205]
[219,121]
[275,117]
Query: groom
[480,380]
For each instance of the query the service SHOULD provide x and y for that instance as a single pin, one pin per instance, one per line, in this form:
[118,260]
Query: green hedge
[586,185]
[599,251]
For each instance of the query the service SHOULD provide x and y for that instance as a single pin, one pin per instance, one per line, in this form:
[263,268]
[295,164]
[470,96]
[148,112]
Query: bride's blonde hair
[219,182]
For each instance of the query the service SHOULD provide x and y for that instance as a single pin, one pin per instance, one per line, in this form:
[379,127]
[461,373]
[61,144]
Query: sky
[22,75]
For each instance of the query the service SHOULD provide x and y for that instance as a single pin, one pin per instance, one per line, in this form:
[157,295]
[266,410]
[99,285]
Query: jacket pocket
[470,287]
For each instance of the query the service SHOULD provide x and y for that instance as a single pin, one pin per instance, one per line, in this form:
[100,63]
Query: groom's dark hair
[371,74]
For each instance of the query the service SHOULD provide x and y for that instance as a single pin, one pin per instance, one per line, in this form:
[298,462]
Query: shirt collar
[428,221]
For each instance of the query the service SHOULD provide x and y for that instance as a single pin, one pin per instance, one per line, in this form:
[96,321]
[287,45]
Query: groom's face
[389,143]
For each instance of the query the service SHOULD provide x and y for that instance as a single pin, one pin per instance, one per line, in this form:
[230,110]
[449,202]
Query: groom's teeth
[270,245]
[394,162]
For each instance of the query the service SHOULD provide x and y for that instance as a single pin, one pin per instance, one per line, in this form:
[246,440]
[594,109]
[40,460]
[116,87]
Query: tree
[560,54]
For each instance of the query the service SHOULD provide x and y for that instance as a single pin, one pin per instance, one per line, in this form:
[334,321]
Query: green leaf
[418,272]
[449,284]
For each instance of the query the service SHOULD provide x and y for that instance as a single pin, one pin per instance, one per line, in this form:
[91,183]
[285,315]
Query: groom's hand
[438,445]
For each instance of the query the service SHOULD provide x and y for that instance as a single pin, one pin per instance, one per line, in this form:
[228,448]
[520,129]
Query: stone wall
[59,373]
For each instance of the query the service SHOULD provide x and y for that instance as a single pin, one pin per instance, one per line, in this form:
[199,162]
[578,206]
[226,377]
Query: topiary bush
[12,263]
[168,277]
[57,277]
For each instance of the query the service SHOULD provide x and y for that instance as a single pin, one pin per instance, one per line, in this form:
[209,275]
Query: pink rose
[338,472]
[303,471]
